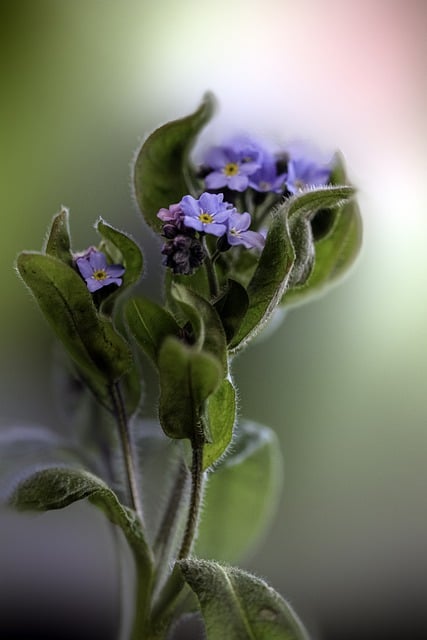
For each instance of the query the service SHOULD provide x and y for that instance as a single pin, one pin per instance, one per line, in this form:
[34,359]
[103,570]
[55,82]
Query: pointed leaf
[58,243]
[187,379]
[206,323]
[162,174]
[221,416]
[150,324]
[56,488]
[237,606]
[336,250]
[25,448]
[128,250]
[90,339]
[269,281]
[242,495]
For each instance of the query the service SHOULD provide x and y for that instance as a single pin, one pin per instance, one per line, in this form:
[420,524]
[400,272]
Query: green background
[343,379]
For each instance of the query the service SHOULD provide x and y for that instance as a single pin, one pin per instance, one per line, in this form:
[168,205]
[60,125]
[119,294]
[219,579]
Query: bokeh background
[343,380]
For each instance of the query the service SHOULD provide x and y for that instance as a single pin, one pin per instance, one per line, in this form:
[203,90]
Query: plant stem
[122,422]
[172,510]
[210,271]
[195,498]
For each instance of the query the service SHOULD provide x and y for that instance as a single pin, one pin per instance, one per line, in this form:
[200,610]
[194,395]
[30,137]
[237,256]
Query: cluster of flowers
[237,166]
[209,214]
[241,164]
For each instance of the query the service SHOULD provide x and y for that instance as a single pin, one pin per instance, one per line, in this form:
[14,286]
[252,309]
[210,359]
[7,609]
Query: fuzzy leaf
[187,379]
[58,243]
[128,250]
[100,352]
[269,281]
[238,606]
[335,250]
[56,488]
[206,323]
[150,324]
[242,495]
[25,448]
[162,172]
[221,416]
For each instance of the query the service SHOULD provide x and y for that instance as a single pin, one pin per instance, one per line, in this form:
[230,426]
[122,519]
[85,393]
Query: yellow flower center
[231,169]
[99,274]
[205,217]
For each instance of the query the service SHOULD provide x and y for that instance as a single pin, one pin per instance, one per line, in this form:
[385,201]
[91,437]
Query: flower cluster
[253,178]
[209,214]
[243,163]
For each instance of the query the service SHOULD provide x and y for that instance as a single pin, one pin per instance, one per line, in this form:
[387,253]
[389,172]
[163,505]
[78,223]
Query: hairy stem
[195,499]
[210,271]
[131,476]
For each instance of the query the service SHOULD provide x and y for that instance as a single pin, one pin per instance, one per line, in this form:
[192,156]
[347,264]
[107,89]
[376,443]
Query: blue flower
[97,272]
[237,232]
[266,177]
[303,173]
[232,164]
[208,214]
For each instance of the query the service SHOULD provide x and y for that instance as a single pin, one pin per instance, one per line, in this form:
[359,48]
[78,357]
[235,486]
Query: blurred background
[343,380]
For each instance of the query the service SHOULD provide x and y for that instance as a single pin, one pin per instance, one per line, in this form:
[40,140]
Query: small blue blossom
[232,164]
[266,177]
[238,233]
[208,214]
[97,272]
[303,173]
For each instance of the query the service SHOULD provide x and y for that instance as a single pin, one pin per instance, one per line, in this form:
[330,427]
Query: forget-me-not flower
[97,272]
[232,164]
[238,232]
[303,173]
[208,214]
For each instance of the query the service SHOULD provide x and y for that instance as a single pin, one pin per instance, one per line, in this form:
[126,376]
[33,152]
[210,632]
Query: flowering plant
[244,234]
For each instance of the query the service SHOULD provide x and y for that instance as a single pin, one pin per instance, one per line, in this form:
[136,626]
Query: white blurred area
[344,379]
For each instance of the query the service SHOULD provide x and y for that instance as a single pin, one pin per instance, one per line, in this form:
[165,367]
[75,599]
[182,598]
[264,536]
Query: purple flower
[97,273]
[237,232]
[266,178]
[208,214]
[232,164]
[172,215]
[303,173]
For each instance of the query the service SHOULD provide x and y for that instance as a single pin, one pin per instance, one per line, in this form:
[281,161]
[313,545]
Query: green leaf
[237,606]
[206,323]
[242,495]
[187,379]
[269,281]
[129,252]
[335,250]
[162,172]
[100,352]
[58,243]
[150,324]
[221,416]
[232,307]
[58,487]
[25,448]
